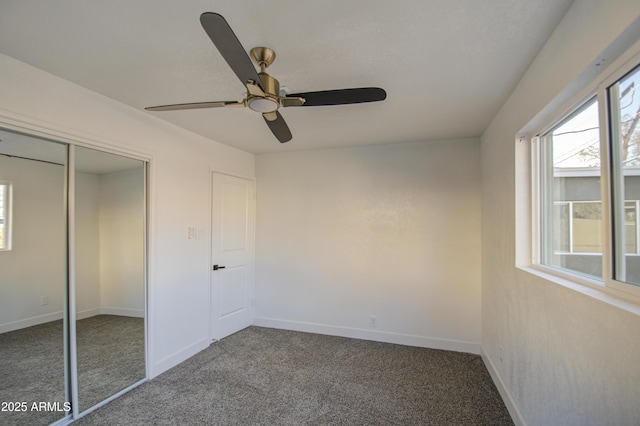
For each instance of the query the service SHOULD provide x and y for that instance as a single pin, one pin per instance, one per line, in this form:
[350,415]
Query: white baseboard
[178,357]
[378,336]
[54,316]
[123,312]
[29,322]
[504,392]
[87,313]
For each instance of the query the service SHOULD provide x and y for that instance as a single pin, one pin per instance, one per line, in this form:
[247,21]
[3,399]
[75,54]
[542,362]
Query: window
[624,116]
[571,196]
[5,216]
[586,180]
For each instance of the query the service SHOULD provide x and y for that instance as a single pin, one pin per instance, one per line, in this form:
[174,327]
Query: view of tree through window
[629,104]
[576,141]
[624,98]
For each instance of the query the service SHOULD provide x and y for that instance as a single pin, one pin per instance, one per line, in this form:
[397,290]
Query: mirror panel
[109,199]
[33,280]
[108,276]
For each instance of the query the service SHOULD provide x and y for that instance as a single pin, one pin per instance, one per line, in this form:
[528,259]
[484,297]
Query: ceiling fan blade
[196,105]
[340,97]
[229,46]
[278,126]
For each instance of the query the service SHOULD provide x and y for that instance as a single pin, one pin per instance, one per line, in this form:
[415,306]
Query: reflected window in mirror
[5,215]
[33,278]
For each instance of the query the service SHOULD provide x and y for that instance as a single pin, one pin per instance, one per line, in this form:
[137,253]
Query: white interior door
[232,268]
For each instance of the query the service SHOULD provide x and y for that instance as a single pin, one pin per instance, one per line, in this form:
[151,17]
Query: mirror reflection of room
[33,276]
[109,273]
[45,355]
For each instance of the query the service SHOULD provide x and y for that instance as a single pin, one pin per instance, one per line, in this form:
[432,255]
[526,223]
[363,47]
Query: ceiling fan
[263,91]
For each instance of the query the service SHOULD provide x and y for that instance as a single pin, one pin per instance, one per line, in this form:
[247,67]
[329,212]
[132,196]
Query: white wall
[179,189]
[387,231]
[35,267]
[559,356]
[121,203]
[87,231]
[109,219]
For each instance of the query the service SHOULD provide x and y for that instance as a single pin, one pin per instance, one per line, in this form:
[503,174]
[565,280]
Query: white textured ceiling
[447,65]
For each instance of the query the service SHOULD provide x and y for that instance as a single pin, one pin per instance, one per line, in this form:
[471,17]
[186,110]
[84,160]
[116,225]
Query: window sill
[588,287]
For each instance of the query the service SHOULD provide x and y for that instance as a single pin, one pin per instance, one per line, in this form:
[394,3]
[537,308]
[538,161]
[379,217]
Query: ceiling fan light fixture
[263,105]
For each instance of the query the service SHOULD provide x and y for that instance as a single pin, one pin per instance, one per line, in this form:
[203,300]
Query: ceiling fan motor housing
[269,103]
[270,84]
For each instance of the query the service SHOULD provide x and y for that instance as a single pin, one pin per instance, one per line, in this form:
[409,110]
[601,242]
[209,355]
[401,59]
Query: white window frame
[605,146]
[625,291]
[8,208]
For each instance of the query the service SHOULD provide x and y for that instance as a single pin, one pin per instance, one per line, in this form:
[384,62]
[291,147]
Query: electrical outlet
[500,352]
[44,301]
[373,321]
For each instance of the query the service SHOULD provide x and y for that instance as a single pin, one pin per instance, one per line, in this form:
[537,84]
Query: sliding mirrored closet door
[109,199]
[72,277]
[33,280]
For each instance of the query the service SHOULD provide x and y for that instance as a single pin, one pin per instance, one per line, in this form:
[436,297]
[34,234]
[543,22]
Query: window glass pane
[561,242]
[572,238]
[630,227]
[624,98]
[587,227]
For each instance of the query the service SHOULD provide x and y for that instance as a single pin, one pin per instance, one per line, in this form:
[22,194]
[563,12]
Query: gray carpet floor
[32,370]
[263,376]
[110,358]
